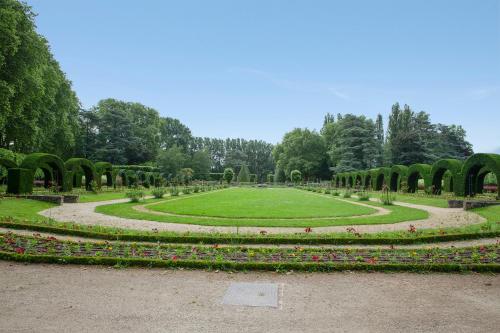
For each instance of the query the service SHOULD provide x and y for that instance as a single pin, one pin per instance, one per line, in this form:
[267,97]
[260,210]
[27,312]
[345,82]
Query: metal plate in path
[252,294]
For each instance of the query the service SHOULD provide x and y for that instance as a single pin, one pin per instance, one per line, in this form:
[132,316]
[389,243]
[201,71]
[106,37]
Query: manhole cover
[252,294]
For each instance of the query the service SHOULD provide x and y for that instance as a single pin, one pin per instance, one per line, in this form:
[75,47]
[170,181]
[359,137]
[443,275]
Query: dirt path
[54,298]
[84,213]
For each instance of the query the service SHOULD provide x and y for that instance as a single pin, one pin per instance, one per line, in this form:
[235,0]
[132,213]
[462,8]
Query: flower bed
[39,249]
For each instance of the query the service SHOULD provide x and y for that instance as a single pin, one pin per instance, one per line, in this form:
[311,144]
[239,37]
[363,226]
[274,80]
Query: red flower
[482,248]
[315,258]
[308,230]
[51,238]
[174,258]
[371,261]
[19,250]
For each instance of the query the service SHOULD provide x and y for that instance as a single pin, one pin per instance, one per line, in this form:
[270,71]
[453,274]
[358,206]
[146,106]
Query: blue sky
[257,69]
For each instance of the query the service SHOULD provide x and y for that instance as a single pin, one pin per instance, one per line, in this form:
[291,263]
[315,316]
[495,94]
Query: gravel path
[84,213]
[55,298]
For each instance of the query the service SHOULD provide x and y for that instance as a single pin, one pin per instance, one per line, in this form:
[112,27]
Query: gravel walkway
[84,213]
[56,298]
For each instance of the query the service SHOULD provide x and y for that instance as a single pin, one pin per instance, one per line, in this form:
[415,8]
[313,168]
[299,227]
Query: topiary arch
[75,167]
[381,176]
[439,169]
[416,172]
[51,165]
[471,172]
[104,169]
[398,173]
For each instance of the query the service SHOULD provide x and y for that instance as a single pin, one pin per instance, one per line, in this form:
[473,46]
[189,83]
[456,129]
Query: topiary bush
[158,192]
[135,195]
[19,181]
[228,175]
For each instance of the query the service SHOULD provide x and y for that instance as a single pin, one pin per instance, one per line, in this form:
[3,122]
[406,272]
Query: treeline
[131,133]
[349,142]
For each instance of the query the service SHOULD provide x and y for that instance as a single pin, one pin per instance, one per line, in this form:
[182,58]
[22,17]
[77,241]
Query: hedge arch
[471,172]
[397,174]
[367,181]
[75,167]
[104,169]
[350,179]
[44,161]
[358,179]
[439,169]
[381,177]
[417,171]
[122,173]
[479,186]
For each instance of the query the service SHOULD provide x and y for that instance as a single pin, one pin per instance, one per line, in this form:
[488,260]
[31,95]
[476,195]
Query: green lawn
[22,208]
[261,203]
[398,213]
[417,199]
[102,196]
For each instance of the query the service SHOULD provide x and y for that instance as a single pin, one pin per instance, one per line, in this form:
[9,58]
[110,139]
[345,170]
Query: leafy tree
[186,175]
[228,175]
[244,174]
[170,161]
[354,145]
[200,163]
[38,109]
[303,150]
[295,176]
[174,133]
[279,175]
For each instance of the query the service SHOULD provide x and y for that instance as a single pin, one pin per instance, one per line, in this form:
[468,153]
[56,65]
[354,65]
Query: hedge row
[462,178]
[69,174]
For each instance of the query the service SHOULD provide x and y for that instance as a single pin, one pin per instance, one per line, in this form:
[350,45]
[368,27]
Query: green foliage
[303,150]
[38,110]
[363,196]
[186,175]
[158,192]
[296,176]
[135,195]
[244,174]
[228,175]
[19,181]
[174,191]
[270,178]
[170,161]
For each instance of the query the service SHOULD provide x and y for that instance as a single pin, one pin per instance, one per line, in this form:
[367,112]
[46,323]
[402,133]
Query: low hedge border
[217,239]
[250,266]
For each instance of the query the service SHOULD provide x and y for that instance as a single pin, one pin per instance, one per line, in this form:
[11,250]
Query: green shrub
[135,195]
[327,191]
[363,196]
[186,190]
[228,175]
[347,194]
[387,197]
[19,181]
[196,189]
[174,191]
[158,192]
[335,193]
[295,176]
[244,174]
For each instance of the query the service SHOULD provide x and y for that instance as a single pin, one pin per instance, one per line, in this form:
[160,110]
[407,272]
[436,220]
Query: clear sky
[259,68]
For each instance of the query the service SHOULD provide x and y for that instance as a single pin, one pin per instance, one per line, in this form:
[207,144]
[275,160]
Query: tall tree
[305,151]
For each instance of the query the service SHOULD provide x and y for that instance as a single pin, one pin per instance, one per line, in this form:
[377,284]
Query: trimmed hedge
[439,169]
[74,168]
[398,174]
[471,170]
[417,171]
[50,164]
[254,266]
[104,168]
[19,181]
